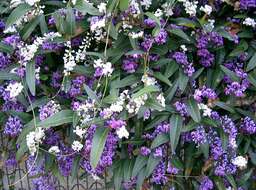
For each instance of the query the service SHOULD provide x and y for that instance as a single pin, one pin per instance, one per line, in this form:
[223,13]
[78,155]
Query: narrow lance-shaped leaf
[98,144]
[17,13]
[140,162]
[175,130]
[193,110]
[31,77]
[152,163]
[252,63]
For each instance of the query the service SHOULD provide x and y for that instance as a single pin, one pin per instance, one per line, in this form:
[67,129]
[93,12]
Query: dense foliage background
[153,93]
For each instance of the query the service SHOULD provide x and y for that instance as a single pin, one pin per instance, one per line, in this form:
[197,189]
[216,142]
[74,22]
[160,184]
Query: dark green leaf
[145,90]
[159,140]
[29,28]
[152,163]
[175,131]
[162,78]
[98,144]
[140,162]
[31,77]
[17,13]
[180,33]
[193,110]
[252,63]
[70,22]
[229,73]
[8,76]
[85,7]
[91,93]
[6,48]
[123,5]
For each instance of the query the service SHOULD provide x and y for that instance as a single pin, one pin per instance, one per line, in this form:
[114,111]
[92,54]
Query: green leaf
[225,106]
[171,92]
[123,5]
[37,103]
[229,73]
[75,168]
[159,140]
[128,166]
[180,33]
[85,7]
[70,22]
[112,31]
[154,105]
[205,149]
[252,80]
[17,13]
[182,81]
[91,93]
[175,131]
[6,48]
[8,76]
[151,164]
[219,183]
[252,63]
[162,78]
[43,25]
[140,179]
[22,150]
[193,110]
[98,144]
[245,177]
[140,162]
[59,118]
[232,181]
[118,176]
[30,27]
[31,77]
[145,90]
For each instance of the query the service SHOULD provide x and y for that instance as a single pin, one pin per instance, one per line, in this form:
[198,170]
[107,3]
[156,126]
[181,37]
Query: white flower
[122,132]
[184,48]
[32,2]
[98,25]
[54,150]
[249,22]
[106,67]
[207,9]
[206,110]
[33,139]
[167,9]
[134,104]
[158,13]
[146,3]
[10,29]
[148,80]
[69,59]
[240,162]
[190,7]
[135,35]
[160,98]
[14,89]
[73,2]
[77,146]
[95,177]
[79,131]
[102,7]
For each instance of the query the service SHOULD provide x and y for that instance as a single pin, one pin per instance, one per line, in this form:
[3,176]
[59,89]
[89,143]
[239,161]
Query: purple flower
[4,61]
[248,126]
[144,151]
[182,59]
[161,37]
[206,184]
[13,126]
[247,4]
[204,92]
[181,108]
[48,110]
[150,23]
[206,58]
[158,175]
[129,65]
[199,136]
[147,43]
[12,40]
[76,86]
[56,79]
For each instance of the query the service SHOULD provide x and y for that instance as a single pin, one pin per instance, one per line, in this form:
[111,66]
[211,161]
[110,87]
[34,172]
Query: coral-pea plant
[156,94]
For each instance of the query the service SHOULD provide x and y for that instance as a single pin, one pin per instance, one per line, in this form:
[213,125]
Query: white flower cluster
[167,9]
[122,132]
[134,104]
[81,53]
[158,13]
[69,59]
[206,9]
[135,8]
[249,22]
[147,80]
[117,106]
[27,52]
[106,67]
[209,26]
[15,3]
[86,111]
[34,138]
[184,48]
[240,162]
[206,110]
[14,89]
[54,150]
[146,3]
[160,98]
[135,35]
[79,131]
[77,146]
[190,7]
[102,7]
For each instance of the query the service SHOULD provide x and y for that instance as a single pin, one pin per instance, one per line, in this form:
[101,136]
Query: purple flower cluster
[147,43]
[144,151]
[204,92]
[130,65]
[203,41]
[48,110]
[56,79]
[4,60]
[248,126]
[199,136]
[206,184]
[107,156]
[247,4]
[12,40]
[161,37]
[13,126]
[76,86]
[182,59]
[116,124]
[181,108]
